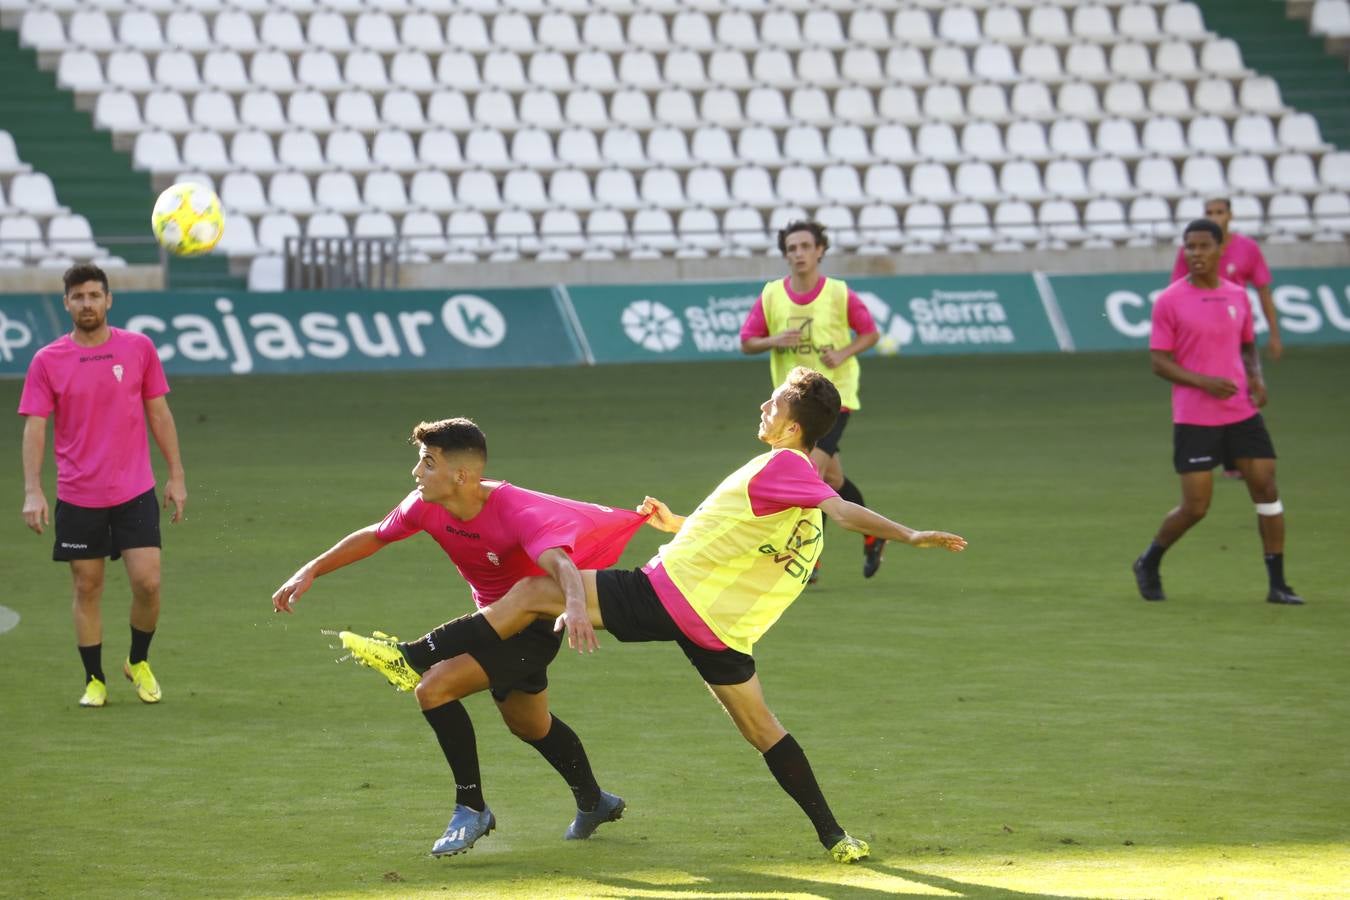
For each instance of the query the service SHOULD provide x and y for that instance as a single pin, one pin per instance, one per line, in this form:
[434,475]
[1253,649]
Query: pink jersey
[1241,263]
[97,396]
[786,481]
[1204,330]
[499,546]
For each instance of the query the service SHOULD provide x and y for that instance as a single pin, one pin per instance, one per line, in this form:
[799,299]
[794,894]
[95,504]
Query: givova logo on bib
[942,318]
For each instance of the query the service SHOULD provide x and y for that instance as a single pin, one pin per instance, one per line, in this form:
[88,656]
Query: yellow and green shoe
[95,694]
[380,652]
[850,849]
[139,674]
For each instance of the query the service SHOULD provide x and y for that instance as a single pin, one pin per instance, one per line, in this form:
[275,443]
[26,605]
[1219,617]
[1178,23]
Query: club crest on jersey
[493,558]
[117,373]
[1232,267]
[1232,313]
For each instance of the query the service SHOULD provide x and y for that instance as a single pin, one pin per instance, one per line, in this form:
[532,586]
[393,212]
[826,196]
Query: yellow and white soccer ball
[187,219]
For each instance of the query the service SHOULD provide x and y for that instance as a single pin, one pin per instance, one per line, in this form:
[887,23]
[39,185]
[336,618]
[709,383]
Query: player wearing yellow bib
[809,320]
[735,564]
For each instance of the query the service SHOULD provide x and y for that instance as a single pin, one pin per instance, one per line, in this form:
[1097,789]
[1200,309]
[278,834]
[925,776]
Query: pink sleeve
[36,399]
[153,382]
[859,318]
[1179,269]
[1260,271]
[403,521]
[788,480]
[755,324]
[1161,337]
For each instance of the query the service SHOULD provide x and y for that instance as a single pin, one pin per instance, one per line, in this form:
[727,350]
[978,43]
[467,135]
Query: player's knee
[528,729]
[88,588]
[146,589]
[433,691]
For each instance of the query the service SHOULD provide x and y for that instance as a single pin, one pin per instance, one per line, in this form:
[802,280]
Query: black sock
[562,748]
[849,491]
[448,641]
[140,645]
[1275,569]
[1153,555]
[788,763]
[454,732]
[92,657]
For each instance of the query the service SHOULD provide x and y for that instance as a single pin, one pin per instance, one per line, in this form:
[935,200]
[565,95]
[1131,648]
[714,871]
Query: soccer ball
[887,346]
[187,219]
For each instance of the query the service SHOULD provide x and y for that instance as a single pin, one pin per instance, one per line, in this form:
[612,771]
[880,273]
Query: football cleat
[850,849]
[609,809]
[872,547]
[95,694]
[1284,594]
[1148,580]
[380,652]
[465,828]
[147,688]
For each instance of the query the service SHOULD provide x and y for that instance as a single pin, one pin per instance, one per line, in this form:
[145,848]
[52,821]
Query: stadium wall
[241,332]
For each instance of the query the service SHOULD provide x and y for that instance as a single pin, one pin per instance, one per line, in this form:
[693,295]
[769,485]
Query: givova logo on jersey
[941,318]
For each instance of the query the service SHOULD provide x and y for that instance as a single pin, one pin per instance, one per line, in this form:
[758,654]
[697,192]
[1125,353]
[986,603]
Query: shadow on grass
[770,885]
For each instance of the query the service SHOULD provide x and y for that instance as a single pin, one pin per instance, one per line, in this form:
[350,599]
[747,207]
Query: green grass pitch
[1010,722]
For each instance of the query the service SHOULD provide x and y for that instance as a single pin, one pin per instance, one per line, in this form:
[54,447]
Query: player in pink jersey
[740,583]
[1203,342]
[496,534]
[101,386]
[1241,262]
[803,245]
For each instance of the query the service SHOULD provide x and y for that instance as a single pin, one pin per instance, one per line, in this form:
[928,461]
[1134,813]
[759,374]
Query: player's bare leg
[1197,489]
[86,577]
[787,761]
[1260,477]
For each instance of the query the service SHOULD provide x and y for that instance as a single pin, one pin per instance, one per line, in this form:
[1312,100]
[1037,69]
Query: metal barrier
[336,263]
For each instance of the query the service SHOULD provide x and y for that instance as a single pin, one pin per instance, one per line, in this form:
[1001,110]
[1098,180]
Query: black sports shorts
[1199,448]
[632,612]
[85,532]
[830,442]
[520,663]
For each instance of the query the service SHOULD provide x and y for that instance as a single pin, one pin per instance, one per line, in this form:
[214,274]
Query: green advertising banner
[921,314]
[328,331]
[1111,312]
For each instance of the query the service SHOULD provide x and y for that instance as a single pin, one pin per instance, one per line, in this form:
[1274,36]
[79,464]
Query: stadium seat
[925,223]
[1028,140]
[1250,174]
[977,181]
[879,224]
[637,69]
[1295,172]
[1290,214]
[243,192]
[1222,57]
[1002,25]
[1020,179]
[707,187]
[654,228]
[290,192]
[1157,175]
[187,30]
[560,230]
[157,151]
[885,182]
[1151,218]
[994,62]
[1071,138]
[617,188]
[744,227]
[1203,176]
[1209,134]
[607,229]
[338,192]
[1163,135]
[274,229]
[937,141]
[477,189]
[1109,177]
[1254,133]
[1032,100]
[700,227]
[1334,170]
[70,235]
[1299,131]
[1332,212]
[932,181]
[430,189]
[1125,99]
[981,140]
[752,186]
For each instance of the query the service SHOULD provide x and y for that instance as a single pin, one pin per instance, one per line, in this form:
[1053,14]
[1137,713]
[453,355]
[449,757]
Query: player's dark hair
[1227,204]
[79,274]
[812,402]
[1205,225]
[451,436]
[817,233]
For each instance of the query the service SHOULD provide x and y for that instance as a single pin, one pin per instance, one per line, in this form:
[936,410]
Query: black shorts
[632,612]
[830,442]
[84,532]
[1199,448]
[520,663]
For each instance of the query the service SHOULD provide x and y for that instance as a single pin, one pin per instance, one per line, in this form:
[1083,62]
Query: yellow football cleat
[850,849]
[147,688]
[380,652]
[95,694]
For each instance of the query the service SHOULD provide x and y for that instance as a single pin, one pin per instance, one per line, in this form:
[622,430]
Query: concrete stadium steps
[1310,78]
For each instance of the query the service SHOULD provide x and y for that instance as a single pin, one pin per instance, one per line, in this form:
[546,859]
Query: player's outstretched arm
[353,548]
[35,514]
[660,516]
[580,632]
[857,518]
